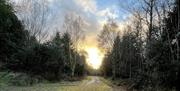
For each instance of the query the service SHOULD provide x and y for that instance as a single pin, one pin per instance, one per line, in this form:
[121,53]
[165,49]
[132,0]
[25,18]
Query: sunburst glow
[94,58]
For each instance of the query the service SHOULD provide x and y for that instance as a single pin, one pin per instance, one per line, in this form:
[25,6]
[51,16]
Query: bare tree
[34,15]
[106,39]
[149,10]
[107,35]
[73,24]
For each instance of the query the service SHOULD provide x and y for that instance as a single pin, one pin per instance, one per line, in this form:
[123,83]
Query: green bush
[21,79]
[18,79]
[5,78]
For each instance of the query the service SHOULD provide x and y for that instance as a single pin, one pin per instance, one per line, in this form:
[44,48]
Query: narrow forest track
[92,83]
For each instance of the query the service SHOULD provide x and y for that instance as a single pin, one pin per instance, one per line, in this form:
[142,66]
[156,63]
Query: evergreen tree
[12,34]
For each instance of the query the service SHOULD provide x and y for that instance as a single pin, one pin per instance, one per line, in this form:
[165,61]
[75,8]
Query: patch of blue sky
[117,6]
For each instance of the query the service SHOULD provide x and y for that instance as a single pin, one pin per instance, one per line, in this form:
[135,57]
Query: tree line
[23,50]
[149,60]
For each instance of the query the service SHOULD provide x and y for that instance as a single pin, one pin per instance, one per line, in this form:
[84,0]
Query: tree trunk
[113,68]
[151,18]
[178,49]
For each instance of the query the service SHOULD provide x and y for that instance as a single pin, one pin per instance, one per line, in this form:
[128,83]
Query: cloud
[87,9]
[87,5]
[108,12]
[50,1]
[94,17]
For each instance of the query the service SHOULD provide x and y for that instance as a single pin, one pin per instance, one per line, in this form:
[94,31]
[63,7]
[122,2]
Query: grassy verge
[18,79]
[107,81]
[129,85]
[123,84]
[84,85]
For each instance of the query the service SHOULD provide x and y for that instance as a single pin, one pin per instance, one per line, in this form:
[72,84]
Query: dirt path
[94,80]
[92,83]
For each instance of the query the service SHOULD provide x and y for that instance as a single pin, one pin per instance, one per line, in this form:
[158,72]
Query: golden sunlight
[94,57]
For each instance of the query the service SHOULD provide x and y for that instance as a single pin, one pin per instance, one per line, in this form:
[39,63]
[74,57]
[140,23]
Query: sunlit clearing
[94,58]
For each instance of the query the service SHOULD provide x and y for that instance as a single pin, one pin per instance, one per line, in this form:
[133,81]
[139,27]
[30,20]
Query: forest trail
[95,84]
[91,83]
[94,80]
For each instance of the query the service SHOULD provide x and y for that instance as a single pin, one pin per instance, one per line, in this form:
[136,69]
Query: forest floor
[91,83]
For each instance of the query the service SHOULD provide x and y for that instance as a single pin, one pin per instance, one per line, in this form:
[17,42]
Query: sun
[94,57]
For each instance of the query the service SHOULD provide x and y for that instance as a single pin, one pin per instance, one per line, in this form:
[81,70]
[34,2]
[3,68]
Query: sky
[95,14]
